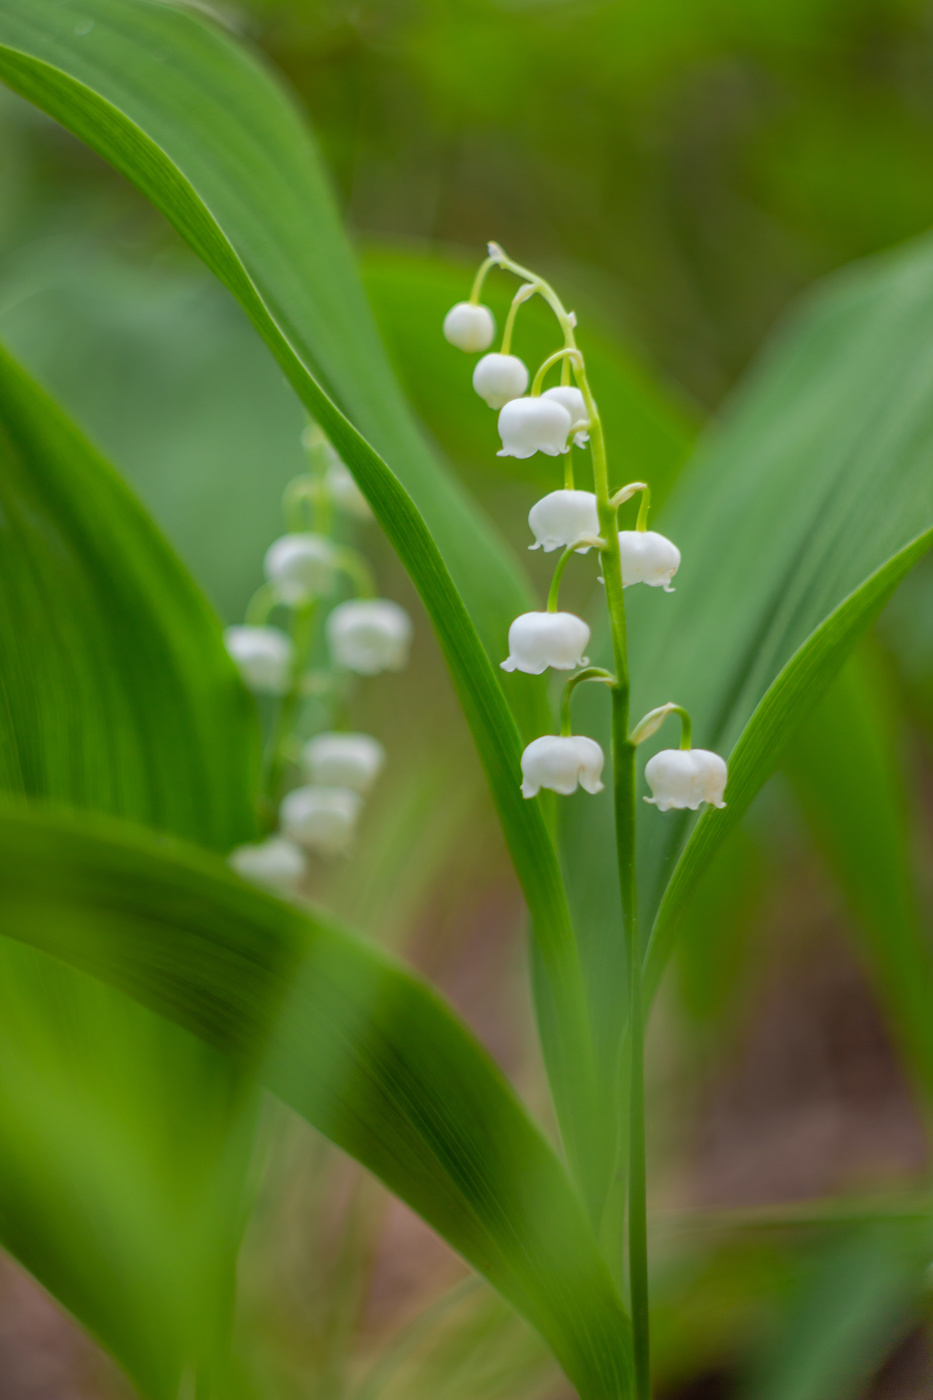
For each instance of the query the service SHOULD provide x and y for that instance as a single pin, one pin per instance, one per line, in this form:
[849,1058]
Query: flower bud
[572,399]
[538,640]
[343,760]
[500,378]
[469,327]
[369,635]
[300,566]
[562,517]
[276,862]
[527,426]
[560,763]
[264,658]
[322,819]
[344,492]
[685,778]
[648,557]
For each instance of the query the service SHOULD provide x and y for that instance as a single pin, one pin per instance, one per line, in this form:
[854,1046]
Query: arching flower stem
[356,567]
[486,266]
[302,633]
[652,721]
[554,590]
[643,508]
[569,354]
[592,673]
[624,781]
[522,295]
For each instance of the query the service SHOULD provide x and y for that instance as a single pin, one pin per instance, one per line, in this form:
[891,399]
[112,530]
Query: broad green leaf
[203,130]
[124,1140]
[358,1046]
[845,767]
[117,692]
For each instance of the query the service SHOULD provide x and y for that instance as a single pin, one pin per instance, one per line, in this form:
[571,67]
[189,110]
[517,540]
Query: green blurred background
[683,169]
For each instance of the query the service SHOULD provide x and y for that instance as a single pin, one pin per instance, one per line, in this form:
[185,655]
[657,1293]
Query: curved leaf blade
[359,1046]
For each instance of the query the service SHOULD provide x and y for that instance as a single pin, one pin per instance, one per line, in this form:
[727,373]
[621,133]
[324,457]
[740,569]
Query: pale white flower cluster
[553,421]
[364,636]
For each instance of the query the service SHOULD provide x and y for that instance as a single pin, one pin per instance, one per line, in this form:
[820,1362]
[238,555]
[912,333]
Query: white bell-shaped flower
[322,819]
[538,640]
[686,778]
[276,862]
[264,657]
[369,635]
[531,425]
[500,378]
[344,492]
[561,763]
[648,557]
[300,566]
[562,517]
[470,327]
[572,399]
[335,759]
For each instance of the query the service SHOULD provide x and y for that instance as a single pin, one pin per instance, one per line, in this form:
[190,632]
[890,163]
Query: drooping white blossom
[264,657]
[538,640]
[344,492]
[470,327]
[562,517]
[572,399]
[500,378]
[322,819]
[275,862]
[561,763]
[686,778]
[648,557]
[369,635]
[335,759]
[300,566]
[531,425]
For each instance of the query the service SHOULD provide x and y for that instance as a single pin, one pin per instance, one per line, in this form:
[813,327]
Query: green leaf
[204,131]
[360,1047]
[845,767]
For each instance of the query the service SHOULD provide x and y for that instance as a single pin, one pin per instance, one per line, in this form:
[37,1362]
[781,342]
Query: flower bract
[322,819]
[538,640]
[561,763]
[572,399]
[686,778]
[335,759]
[369,635]
[276,862]
[300,566]
[500,378]
[531,425]
[562,517]
[470,327]
[648,557]
[344,491]
[264,658]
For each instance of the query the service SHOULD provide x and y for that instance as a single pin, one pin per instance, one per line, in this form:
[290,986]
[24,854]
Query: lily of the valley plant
[555,420]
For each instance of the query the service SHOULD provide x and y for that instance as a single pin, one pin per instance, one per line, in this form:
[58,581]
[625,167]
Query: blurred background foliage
[684,168]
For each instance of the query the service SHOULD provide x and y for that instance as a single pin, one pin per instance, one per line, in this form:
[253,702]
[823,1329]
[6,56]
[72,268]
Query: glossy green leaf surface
[203,130]
[353,1042]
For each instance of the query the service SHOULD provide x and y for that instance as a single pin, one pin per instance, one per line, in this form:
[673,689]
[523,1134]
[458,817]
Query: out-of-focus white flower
[686,778]
[538,640]
[369,635]
[562,517]
[322,819]
[300,566]
[572,399]
[344,492]
[469,327]
[264,658]
[648,557]
[560,763]
[531,425]
[500,378]
[343,760]
[276,862]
